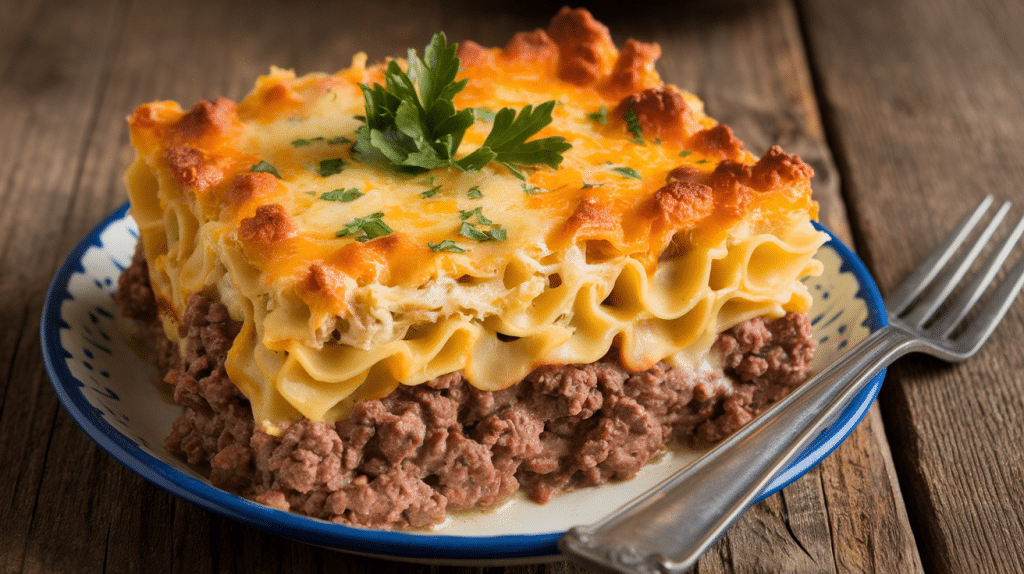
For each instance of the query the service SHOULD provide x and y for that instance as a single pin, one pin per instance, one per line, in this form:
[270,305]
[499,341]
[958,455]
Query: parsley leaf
[430,192]
[685,153]
[532,190]
[264,167]
[507,145]
[478,212]
[370,227]
[338,140]
[343,195]
[412,122]
[633,123]
[600,116]
[304,142]
[446,245]
[474,192]
[589,185]
[329,167]
[627,172]
[469,231]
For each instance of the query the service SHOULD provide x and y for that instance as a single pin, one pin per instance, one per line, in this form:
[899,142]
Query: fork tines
[923,302]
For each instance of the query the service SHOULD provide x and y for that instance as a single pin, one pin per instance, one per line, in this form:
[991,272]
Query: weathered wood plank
[923,100]
[48,95]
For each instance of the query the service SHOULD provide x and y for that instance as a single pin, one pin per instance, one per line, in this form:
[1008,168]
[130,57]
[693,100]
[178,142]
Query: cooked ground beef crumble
[404,460]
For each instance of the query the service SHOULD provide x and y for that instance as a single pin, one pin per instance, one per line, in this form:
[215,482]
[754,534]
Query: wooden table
[909,112]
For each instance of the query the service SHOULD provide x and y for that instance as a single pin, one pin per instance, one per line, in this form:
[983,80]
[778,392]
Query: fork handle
[670,526]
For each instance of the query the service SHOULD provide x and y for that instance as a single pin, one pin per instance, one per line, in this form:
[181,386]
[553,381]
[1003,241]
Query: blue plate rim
[387,544]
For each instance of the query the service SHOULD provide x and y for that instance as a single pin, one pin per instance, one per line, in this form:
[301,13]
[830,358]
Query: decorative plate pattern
[119,401]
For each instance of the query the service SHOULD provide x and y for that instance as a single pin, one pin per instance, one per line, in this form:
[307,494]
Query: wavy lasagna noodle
[658,231]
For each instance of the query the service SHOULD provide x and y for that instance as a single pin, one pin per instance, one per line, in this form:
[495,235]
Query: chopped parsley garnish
[338,140]
[343,195]
[370,227]
[468,230]
[329,167]
[446,245]
[701,161]
[412,120]
[627,172]
[588,185]
[685,153]
[474,192]
[532,189]
[633,123]
[304,141]
[264,167]
[478,212]
[430,192]
[600,116]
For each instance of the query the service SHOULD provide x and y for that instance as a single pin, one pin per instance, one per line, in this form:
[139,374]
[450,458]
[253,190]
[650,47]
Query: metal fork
[670,526]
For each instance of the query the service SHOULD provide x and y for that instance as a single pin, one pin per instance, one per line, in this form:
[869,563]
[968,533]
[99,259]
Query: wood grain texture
[71,71]
[924,99]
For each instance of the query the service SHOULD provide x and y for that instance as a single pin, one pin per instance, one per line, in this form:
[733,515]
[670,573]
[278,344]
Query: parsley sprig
[412,120]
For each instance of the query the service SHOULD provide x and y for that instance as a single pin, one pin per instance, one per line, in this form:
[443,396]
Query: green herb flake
[306,141]
[532,189]
[343,195]
[627,172]
[478,212]
[701,161]
[474,192]
[430,192]
[264,167]
[467,230]
[470,231]
[600,116]
[447,245]
[370,227]
[338,140]
[589,185]
[685,153]
[329,167]
[633,123]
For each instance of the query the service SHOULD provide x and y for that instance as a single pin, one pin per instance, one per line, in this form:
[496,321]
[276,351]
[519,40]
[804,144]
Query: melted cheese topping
[651,246]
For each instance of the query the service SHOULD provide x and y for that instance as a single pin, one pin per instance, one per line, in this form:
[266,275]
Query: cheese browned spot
[585,47]
[534,46]
[777,167]
[192,169]
[323,286]
[662,113]
[271,225]
[472,54]
[206,119]
[592,220]
[247,186]
[683,203]
[718,142]
[634,62]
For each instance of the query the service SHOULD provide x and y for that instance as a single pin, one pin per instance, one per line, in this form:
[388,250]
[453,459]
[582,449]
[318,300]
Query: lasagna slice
[420,286]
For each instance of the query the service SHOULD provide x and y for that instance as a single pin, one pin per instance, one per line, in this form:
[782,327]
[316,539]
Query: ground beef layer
[404,460]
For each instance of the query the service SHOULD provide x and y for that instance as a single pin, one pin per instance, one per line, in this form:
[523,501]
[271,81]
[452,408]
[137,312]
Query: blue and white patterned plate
[117,399]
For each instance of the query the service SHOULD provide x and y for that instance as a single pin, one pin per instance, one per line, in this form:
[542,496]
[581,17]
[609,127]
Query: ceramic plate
[116,398]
